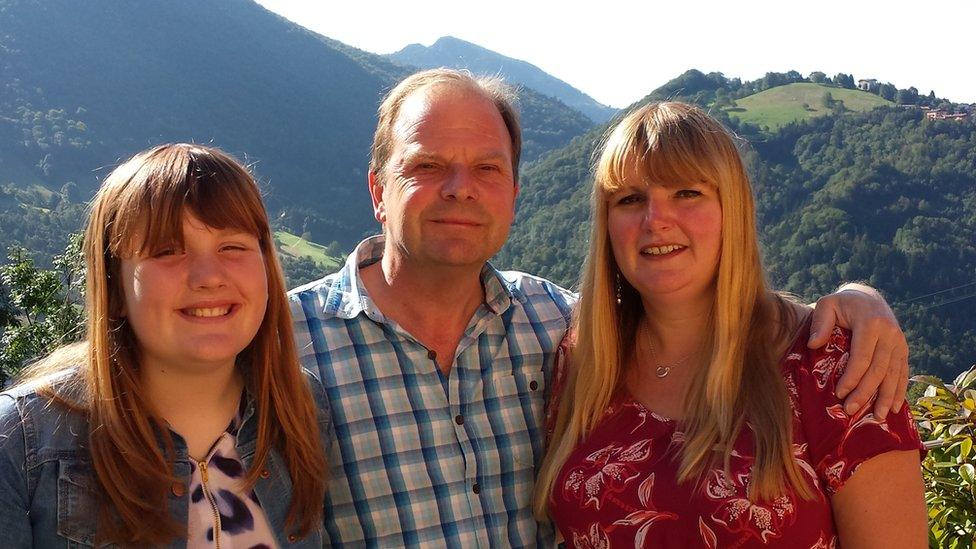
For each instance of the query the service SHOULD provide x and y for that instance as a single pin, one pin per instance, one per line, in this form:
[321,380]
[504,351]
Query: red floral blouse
[618,488]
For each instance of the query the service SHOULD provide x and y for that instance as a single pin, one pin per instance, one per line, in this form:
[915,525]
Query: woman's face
[666,238]
[199,306]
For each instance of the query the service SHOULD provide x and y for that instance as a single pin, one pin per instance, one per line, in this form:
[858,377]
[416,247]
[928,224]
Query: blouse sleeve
[839,443]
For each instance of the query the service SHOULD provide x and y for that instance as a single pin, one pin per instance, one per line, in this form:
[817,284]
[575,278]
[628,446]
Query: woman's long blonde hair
[148,196]
[676,142]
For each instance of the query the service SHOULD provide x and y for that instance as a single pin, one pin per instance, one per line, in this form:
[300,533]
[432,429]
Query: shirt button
[292,538]
[178,489]
[459,419]
[476,488]
[534,385]
[265,473]
[432,354]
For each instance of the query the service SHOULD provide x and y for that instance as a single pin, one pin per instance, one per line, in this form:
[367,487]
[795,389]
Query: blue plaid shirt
[415,464]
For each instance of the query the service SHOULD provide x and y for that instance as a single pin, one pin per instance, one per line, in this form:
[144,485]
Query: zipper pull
[203,471]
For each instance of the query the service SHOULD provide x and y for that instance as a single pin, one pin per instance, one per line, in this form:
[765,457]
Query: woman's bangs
[624,154]
[670,162]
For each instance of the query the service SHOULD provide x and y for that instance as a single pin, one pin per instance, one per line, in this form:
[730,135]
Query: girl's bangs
[151,202]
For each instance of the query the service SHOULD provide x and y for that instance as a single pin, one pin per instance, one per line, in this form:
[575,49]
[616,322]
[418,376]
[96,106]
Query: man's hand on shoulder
[879,350]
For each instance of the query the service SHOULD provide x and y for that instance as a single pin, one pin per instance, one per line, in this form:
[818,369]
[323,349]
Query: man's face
[447,196]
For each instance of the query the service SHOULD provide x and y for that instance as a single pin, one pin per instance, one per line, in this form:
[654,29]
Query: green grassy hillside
[297,247]
[776,107]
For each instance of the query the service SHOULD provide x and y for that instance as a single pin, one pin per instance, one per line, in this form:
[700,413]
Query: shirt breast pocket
[519,394]
[516,402]
[77,505]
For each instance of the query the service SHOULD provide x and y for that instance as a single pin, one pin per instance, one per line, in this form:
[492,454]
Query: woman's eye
[688,193]
[633,198]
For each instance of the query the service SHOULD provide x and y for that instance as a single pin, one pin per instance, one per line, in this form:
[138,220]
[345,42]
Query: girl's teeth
[209,312]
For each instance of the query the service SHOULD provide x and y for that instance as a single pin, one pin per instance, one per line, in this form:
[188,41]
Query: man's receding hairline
[436,90]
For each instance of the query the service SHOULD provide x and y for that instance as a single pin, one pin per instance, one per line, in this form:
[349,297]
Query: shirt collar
[348,296]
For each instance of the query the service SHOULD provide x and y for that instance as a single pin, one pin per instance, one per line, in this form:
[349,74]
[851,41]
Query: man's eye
[489,168]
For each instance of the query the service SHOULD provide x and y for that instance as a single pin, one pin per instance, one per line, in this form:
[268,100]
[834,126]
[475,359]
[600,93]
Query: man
[437,365]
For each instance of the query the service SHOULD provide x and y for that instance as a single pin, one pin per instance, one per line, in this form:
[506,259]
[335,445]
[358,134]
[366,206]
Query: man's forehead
[451,101]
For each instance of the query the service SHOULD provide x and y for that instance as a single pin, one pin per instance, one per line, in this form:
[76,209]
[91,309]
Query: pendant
[662,371]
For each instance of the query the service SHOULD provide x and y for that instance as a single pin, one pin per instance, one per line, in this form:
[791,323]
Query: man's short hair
[492,88]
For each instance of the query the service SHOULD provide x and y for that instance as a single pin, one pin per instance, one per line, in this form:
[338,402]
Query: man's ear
[515,199]
[376,194]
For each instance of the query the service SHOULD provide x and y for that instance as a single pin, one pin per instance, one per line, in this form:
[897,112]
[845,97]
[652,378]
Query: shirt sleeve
[839,443]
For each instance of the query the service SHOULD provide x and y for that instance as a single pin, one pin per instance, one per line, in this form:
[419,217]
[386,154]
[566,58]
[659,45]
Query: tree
[907,97]
[42,306]
[887,91]
[818,77]
[828,100]
[844,80]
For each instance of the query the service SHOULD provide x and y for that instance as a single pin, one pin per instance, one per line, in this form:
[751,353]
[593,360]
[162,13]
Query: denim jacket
[47,478]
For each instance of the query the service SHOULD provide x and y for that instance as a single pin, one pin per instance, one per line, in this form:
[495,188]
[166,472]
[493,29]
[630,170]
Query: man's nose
[460,185]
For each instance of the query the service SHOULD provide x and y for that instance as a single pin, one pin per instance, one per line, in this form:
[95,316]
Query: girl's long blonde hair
[148,196]
[676,142]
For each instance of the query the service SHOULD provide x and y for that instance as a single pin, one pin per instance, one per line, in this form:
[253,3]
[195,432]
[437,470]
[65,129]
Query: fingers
[886,394]
[902,389]
[823,321]
[875,368]
[864,343]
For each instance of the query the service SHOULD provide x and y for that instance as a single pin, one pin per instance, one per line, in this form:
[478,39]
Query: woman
[183,419]
[693,413]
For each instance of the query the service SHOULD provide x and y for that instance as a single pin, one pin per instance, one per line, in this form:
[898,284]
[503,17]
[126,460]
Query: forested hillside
[85,84]
[884,195]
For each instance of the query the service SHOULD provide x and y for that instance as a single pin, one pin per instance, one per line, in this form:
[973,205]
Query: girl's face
[666,238]
[196,307]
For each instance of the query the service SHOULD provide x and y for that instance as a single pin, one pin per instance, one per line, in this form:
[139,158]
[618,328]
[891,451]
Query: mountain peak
[450,51]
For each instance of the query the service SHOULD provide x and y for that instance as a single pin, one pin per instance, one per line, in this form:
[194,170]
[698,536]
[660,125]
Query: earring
[619,301]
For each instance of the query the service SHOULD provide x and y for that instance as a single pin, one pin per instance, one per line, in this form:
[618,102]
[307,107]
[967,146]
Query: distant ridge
[453,52]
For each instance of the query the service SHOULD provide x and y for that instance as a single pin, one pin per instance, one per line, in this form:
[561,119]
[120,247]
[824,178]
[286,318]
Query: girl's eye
[166,252]
[688,193]
[632,198]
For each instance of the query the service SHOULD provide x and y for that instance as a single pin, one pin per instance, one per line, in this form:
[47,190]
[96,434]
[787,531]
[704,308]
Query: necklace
[661,370]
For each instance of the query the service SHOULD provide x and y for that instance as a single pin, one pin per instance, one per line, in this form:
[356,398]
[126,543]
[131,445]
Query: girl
[183,419]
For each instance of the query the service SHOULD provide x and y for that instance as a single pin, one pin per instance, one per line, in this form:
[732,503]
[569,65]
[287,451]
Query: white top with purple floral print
[221,514]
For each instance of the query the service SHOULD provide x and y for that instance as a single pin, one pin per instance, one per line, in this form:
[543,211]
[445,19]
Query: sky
[619,51]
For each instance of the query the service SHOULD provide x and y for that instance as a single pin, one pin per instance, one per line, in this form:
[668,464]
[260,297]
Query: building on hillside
[868,84]
[939,114]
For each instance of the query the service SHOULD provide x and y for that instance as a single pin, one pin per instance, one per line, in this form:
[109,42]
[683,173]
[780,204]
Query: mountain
[448,51]
[882,195]
[86,84]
